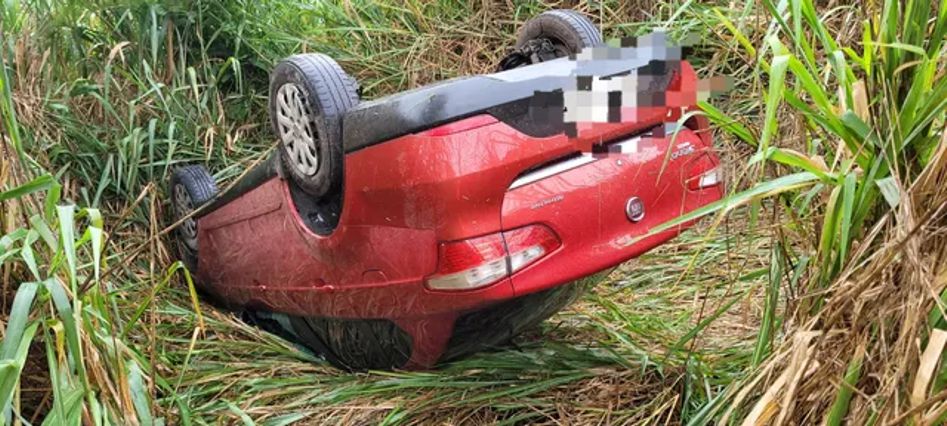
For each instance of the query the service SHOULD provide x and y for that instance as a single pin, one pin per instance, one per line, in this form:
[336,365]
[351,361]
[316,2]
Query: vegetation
[814,293]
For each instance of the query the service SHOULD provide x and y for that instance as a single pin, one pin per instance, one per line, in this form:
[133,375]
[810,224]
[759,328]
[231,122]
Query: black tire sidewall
[200,186]
[325,121]
[568,27]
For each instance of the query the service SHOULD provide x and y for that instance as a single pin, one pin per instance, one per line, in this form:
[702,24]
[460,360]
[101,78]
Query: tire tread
[200,186]
[578,24]
[334,93]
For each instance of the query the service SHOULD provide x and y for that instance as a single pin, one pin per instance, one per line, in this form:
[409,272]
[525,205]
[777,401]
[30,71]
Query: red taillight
[703,173]
[481,261]
[705,180]
[526,245]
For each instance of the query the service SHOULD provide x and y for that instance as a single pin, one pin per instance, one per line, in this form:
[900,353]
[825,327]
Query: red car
[427,225]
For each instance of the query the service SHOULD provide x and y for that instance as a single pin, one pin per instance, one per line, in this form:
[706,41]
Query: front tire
[309,94]
[191,187]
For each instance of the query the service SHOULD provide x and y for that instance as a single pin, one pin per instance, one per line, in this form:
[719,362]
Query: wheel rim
[295,128]
[182,207]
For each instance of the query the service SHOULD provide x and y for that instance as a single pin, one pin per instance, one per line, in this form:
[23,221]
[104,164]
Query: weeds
[871,116]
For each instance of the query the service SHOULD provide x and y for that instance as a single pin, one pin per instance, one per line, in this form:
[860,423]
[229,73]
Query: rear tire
[309,94]
[191,187]
[552,34]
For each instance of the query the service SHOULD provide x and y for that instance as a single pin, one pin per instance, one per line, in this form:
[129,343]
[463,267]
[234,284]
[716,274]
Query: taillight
[705,180]
[703,172]
[481,261]
[527,244]
[470,263]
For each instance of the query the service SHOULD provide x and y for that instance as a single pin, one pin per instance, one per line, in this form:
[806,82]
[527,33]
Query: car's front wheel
[191,187]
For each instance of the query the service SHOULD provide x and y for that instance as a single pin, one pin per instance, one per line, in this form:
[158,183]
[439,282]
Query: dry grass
[874,332]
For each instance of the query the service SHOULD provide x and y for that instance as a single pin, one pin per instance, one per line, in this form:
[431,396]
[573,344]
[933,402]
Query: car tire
[567,31]
[309,94]
[191,187]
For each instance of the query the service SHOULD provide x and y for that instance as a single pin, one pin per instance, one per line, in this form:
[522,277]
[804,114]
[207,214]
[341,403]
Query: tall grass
[128,91]
[865,143]
[109,96]
[93,376]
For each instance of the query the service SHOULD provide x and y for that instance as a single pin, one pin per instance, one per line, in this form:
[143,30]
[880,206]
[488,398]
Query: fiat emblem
[634,209]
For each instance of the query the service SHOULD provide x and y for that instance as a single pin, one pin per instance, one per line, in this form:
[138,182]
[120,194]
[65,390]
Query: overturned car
[427,225]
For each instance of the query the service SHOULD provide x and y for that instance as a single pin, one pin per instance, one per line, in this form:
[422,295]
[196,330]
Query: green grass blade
[777,76]
[19,315]
[139,393]
[762,190]
[41,183]
[11,369]
[838,411]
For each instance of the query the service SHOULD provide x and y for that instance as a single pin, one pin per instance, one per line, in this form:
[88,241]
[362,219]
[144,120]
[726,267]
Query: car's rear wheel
[191,187]
[552,34]
[309,94]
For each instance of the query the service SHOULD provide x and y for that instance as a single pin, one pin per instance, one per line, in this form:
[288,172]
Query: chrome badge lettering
[683,149]
[546,202]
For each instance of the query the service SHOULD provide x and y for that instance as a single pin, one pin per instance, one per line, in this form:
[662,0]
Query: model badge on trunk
[634,209]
